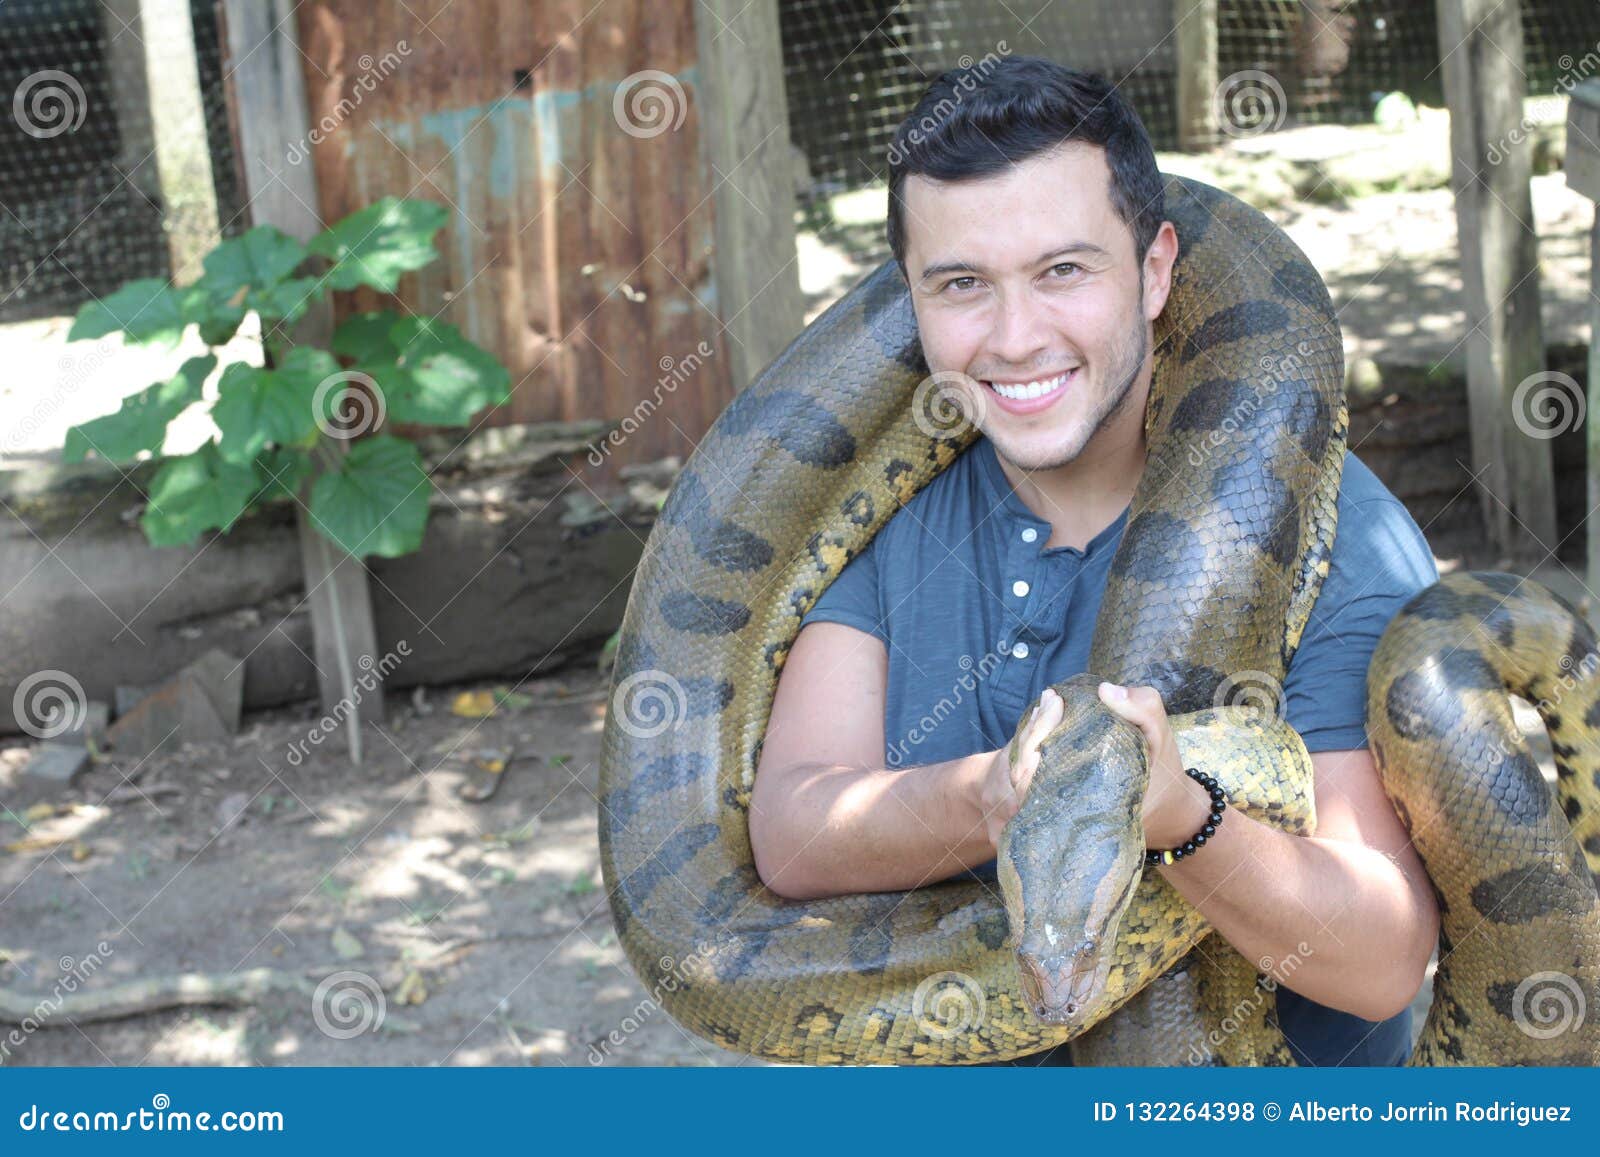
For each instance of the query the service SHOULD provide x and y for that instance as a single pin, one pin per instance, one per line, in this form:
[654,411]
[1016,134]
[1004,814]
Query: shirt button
[1020,589]
[1020,651]
[1030,534]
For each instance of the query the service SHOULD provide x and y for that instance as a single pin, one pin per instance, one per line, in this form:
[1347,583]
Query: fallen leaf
[81,852]
[346,945]
[412,990]
[39,811]
[473,704]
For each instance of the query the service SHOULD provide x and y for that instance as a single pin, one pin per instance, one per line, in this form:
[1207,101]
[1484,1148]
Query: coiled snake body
[1227,543]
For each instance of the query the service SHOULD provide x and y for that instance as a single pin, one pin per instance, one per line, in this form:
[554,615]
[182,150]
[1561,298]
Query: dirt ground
[495,907]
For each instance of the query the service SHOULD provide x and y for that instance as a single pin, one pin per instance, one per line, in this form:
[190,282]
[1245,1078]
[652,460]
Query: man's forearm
[830,830]
[1267,892]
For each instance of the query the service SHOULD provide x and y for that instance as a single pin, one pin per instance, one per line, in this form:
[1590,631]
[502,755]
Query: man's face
[1027,282]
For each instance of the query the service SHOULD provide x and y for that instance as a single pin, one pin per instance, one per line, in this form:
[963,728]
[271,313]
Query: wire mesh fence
[116,158]
[852,70]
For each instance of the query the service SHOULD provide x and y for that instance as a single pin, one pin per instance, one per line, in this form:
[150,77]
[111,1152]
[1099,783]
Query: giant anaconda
[1225,550]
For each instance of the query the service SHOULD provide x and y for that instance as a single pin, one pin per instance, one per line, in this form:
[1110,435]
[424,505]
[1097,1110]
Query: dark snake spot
[890,319]
[993,929]
[1209,405]
[1521,895]
[1424,703]
[1184,686]
[720,542]
[1443,602]
[1233,323]
[1300,282]
[634,889]
[858,508]
[666,773]
[800,425]
[699,615]
[1262,505]
[1156,545]
[1517,787]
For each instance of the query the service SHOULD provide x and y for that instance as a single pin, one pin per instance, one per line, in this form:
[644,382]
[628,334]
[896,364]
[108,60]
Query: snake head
[1070,860]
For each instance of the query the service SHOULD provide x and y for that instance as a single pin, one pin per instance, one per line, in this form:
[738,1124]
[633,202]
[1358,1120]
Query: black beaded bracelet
[1219,802]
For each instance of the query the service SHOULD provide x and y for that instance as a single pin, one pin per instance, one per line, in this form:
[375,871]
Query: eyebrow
[942,267]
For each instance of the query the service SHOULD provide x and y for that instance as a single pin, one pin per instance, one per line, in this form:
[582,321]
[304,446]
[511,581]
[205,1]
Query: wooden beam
[1583,176]
[746,133]
[1196,39]
[1481,44]
[269,93]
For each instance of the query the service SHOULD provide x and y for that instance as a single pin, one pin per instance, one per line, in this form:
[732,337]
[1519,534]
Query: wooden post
[1583,176]
[269,95]
[746,119]
[1481,43]
[1195,38]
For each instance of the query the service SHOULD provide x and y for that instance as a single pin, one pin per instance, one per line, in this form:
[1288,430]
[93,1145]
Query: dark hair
[997,112]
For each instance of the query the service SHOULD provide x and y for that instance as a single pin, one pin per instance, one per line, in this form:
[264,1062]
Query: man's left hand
[1175,806]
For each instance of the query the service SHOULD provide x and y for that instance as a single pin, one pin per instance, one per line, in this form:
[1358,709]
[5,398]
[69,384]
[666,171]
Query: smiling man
[1028,224]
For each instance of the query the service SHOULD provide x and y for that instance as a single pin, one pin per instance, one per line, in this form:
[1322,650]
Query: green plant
[274,418]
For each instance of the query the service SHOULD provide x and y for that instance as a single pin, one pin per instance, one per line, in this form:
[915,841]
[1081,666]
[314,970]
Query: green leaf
[375,245]
[286,302]
[443,378]
[364,337]
[149,311]
[258,406]
[377,502]
[141,421]
[195,493]
[283,470]
[256,260]
[218,322]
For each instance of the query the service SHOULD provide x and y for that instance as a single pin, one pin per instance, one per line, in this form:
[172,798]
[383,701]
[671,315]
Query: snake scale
[1226,547]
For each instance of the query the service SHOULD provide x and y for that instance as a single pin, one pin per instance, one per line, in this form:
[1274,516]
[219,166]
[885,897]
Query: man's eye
[961,283]
[1065,269]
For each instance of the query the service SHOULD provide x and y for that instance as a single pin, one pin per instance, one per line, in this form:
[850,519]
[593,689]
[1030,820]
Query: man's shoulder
[944,510]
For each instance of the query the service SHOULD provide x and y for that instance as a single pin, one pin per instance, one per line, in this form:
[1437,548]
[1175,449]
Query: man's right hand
[1011,769]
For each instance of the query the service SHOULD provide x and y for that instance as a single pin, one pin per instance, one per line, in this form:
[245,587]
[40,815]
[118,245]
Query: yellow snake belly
[1227,544]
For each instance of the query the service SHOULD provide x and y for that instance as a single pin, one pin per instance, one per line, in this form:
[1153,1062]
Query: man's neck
[1083,497]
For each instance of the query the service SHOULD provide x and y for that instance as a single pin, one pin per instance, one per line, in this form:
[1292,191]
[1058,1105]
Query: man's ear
[1158,262]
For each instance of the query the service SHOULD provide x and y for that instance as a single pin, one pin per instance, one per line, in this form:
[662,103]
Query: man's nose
[1021,331]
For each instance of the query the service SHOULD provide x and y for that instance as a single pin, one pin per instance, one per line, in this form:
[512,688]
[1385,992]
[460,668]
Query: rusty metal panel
[579,251]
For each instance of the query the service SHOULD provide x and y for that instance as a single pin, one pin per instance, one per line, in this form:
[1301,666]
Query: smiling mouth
[1037,388]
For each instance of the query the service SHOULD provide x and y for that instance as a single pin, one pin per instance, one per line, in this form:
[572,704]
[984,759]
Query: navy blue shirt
[1011,617]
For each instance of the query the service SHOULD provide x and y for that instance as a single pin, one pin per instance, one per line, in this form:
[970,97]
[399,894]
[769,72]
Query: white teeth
[1036,389]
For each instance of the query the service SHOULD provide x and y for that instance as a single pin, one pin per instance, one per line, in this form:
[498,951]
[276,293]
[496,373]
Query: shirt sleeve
[1380,560]
[853,597]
